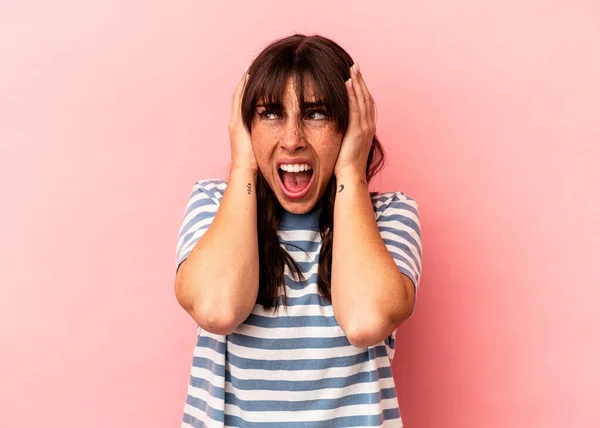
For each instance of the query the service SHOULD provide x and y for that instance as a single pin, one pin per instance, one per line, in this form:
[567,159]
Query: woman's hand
[242,153]
[358,139]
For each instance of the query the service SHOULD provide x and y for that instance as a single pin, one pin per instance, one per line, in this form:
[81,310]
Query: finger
[368,99]
[359,93]
[368,118]
[236,104]
[354,109]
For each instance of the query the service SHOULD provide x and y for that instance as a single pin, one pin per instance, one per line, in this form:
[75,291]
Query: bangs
[268,84]
[272,90]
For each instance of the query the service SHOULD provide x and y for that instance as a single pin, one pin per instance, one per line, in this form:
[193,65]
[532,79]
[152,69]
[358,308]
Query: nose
[293,137]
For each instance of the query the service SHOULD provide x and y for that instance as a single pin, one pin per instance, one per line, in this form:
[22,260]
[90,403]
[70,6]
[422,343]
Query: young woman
[296,275]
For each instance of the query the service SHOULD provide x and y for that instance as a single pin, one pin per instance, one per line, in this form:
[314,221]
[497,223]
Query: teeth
[295,167]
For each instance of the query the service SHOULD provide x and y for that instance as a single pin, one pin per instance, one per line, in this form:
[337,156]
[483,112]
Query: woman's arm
[218,283]
[370,295]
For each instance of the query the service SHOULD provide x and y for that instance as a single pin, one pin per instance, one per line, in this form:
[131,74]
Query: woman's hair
[326,65]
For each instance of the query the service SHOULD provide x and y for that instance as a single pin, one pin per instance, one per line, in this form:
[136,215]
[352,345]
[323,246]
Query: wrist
[243,171]
[351,175]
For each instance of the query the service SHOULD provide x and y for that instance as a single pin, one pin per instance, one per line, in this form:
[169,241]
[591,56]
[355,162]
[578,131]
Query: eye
[317,115]
[268,115]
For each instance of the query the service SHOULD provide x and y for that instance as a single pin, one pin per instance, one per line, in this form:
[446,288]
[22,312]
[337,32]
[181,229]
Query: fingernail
[247,77]
[350,82]
[355,67]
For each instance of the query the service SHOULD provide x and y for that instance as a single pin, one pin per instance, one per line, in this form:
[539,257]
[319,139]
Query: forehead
[290,90]
[288,93]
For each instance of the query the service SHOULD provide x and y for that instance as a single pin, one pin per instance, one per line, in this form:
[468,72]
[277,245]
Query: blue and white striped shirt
[295,367]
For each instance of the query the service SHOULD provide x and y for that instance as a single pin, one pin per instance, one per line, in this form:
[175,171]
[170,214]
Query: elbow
[214,318]
[360,341]
[364,335]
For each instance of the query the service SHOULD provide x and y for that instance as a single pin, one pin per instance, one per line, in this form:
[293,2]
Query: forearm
[218,285]
[366,283]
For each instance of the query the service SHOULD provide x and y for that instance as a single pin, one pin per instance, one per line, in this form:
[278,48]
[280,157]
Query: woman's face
[296,148]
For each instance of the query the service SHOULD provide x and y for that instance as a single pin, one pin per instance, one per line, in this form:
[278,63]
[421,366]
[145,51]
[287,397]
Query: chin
[297,207]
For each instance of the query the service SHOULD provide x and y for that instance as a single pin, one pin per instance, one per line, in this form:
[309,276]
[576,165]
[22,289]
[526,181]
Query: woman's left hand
[357,141]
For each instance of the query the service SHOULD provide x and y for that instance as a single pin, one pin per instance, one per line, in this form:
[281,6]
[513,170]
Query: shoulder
[394,203]
[212,188]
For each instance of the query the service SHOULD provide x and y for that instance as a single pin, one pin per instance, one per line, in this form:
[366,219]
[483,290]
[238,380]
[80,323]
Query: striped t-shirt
[295,367]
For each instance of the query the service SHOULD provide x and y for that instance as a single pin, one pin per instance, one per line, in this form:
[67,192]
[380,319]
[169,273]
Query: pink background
[109,111]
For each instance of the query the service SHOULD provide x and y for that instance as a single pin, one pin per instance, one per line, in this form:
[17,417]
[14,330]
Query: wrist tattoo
[341,186]
[249,188]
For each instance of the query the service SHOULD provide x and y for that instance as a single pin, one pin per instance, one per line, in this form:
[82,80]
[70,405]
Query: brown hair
[327,66]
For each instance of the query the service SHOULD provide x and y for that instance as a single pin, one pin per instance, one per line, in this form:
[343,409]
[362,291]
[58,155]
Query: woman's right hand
[242,153]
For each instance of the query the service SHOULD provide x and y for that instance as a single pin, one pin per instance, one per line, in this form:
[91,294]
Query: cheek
[263,143]
[327,146]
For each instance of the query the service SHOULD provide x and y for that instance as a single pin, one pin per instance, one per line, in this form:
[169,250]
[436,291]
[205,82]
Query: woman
[297,318]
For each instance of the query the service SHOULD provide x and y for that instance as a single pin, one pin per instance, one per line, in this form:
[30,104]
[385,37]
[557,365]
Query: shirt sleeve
[400,227]
[199,213]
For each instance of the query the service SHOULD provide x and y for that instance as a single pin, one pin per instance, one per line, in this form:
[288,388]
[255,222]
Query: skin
[292,134]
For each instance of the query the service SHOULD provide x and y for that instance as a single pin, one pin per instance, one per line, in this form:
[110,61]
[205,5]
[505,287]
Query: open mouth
[295,179]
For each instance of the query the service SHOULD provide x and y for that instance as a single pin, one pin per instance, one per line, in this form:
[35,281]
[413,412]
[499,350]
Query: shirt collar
[308,221]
